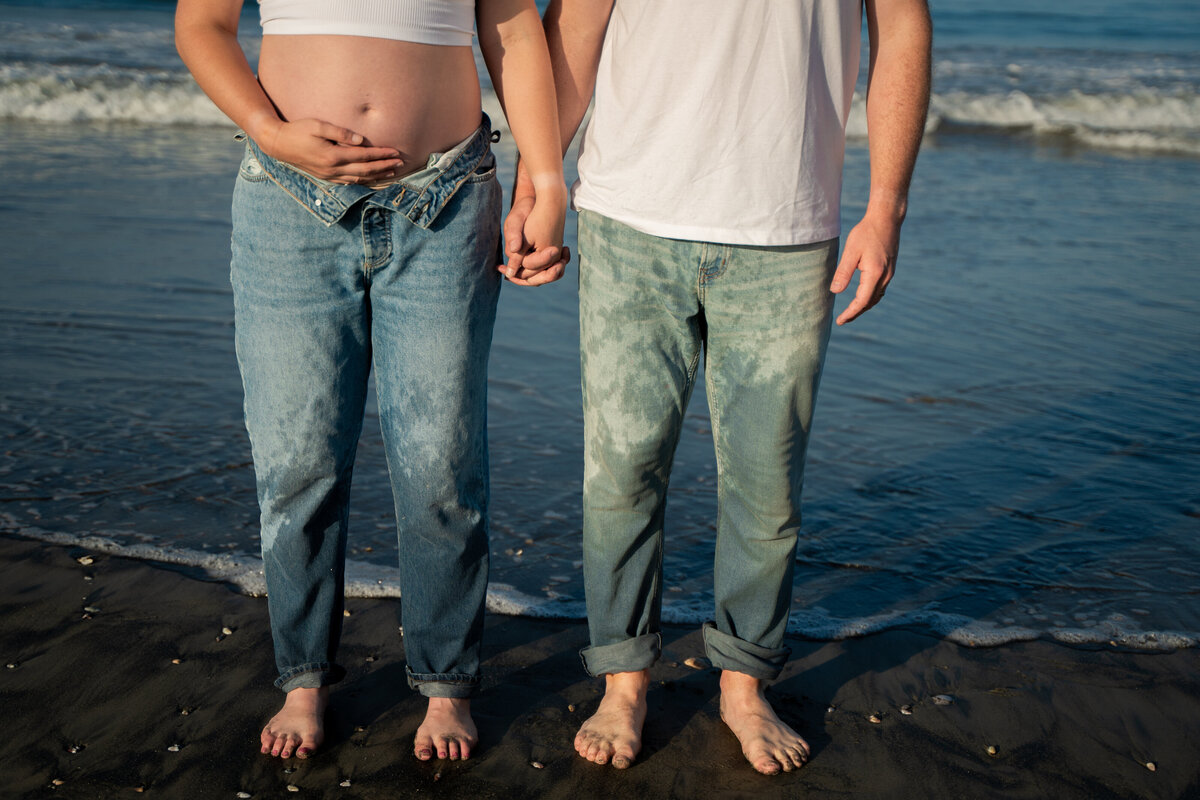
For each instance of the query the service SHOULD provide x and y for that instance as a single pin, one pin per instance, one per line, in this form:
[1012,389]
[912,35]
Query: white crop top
[445,22]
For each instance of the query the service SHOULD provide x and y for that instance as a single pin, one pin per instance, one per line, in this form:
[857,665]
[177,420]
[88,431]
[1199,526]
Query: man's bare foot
[767,742]
[614,732]
[448,730]
[299,726]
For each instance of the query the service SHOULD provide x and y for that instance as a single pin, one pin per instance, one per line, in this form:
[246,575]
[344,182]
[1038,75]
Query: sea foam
[245,573]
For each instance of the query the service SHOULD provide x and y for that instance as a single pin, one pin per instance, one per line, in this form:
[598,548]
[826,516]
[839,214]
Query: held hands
[871,248]
[533,231]
[328,151]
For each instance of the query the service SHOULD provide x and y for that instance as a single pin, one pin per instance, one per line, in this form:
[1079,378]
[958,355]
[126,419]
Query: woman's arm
[514,47]
[206,37]
[574,34]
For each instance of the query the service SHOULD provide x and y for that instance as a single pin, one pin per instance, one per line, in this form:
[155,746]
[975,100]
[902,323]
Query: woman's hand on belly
[329,151]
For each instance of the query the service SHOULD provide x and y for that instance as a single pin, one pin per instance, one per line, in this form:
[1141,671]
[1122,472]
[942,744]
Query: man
[710,179]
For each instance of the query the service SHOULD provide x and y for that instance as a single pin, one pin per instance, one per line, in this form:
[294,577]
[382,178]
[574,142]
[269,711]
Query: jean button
[317,202]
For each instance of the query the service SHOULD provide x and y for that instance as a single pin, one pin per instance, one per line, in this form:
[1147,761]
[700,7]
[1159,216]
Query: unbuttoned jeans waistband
[329,202]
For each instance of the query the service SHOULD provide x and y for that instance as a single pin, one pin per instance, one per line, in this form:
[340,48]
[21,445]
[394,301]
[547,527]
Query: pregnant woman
[366,218]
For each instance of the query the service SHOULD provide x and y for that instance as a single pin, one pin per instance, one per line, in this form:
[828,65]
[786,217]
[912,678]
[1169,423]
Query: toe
[464,748]
[452,749]
[767,766]
[307,745]
[289,744]
[423,748]
[621,762]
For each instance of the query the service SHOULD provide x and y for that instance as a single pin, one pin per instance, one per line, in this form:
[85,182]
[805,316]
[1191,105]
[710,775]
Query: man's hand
[525,266]
[329,151]
[871,249]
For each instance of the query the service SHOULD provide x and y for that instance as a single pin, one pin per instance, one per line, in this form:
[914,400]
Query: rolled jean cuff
[730,652]
[450,684]
[310,676]
[631,655]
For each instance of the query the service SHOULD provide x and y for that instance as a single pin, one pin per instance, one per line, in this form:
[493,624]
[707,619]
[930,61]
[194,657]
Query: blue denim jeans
[329,281]
[649,309]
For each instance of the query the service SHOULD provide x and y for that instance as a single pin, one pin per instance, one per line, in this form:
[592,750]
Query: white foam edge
[367,580]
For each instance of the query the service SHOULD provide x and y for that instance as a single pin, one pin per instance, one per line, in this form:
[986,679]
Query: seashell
[370,659]
[829,710]
[346,612]
[173,748]
[991,750]
[291,787]
[139,789]
[244,795]
[73,749]
[942,699]
[537,765]
[437,776]
[87,561]
[570,706]
[88,578]
[57,781]
[91,609]
[12,665]
[289,770]
[874,718]
[698,663]
[1150,765]
[227,631]
[345,784]
[906,710]
[176,661]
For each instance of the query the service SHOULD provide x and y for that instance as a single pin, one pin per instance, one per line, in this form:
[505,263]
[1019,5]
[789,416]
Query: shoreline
[95,701]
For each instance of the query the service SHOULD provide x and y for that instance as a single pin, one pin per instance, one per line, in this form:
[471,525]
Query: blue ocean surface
[1006,448]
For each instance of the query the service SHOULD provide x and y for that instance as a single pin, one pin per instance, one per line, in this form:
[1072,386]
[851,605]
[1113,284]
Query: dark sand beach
[94,699]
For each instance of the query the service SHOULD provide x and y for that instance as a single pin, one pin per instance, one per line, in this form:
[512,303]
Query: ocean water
[1007,448]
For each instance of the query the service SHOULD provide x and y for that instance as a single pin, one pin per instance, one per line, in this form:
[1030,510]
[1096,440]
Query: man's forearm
[575,34]
[897,98]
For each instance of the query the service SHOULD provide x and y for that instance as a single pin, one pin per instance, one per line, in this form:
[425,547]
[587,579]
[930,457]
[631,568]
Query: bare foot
[447,730]
[614,732]
[299,726]
[767,742]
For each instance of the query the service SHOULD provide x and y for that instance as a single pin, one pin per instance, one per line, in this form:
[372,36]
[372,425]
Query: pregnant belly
[417,98]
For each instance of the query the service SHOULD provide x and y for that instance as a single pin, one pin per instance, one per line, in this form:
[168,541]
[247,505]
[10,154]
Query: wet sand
[93,699]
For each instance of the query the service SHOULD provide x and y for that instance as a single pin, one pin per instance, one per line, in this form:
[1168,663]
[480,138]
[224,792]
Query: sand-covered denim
[329,282]
[649,310]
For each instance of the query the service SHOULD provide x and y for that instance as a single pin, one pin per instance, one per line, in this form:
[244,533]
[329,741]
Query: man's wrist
[889,205]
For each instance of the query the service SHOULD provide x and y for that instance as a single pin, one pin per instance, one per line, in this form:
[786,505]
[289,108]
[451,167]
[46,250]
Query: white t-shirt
[722,120]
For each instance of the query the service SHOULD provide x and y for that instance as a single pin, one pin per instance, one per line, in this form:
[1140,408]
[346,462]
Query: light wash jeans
[648,309]
[330,280]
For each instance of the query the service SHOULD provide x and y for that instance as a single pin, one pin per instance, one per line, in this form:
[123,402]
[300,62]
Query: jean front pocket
[485,171]
[251,169]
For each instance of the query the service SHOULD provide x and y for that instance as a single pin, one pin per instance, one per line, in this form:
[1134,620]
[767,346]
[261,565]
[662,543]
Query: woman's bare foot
[299,726]
[614,732]
[767,742]
[448,730]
